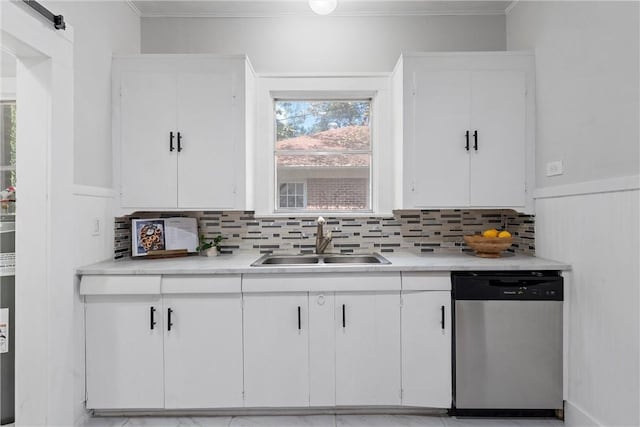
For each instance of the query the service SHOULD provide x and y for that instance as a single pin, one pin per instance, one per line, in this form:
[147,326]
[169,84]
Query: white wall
[323,43]
[102,28]
[587,57]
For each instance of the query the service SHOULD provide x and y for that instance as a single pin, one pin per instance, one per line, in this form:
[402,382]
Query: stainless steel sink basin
[290,260]
[354,259]
[324,259]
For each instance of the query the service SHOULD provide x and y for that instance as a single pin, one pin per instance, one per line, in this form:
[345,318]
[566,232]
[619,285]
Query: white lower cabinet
[203,351]
[367,348]
[276,350]
[124,352]
[173,351]
[426,340]
[282,341]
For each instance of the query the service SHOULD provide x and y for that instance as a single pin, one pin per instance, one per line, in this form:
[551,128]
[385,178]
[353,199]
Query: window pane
[322,125]
[283,201]
[334,182]
[323,154]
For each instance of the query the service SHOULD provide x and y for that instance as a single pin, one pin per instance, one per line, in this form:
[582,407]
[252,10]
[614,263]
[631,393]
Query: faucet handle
[321,220]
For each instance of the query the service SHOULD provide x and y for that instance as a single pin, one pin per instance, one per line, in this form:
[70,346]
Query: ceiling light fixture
[323,7]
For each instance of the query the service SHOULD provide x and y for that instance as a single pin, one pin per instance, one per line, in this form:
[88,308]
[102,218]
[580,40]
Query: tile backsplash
[414,230]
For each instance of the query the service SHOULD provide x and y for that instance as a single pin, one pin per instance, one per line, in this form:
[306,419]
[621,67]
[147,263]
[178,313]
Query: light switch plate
[555,168]
[96,229]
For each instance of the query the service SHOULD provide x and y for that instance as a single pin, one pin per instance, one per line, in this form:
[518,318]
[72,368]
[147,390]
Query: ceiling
[270,8]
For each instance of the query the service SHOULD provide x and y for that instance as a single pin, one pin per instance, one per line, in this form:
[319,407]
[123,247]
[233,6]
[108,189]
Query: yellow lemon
[490,233]
[504,233]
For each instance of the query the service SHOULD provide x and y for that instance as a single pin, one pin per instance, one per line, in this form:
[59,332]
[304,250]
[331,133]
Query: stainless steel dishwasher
[507,343]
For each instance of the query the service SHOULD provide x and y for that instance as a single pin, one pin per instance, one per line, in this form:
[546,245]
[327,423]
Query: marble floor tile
[106,422]
[501,422]
[389,421]
[322,421]
[284,421]
[205,422]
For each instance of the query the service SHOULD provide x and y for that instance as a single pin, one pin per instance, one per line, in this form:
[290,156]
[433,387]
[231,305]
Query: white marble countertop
[240,263]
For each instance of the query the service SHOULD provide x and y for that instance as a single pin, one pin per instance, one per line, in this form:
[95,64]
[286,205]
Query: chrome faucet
[322,241]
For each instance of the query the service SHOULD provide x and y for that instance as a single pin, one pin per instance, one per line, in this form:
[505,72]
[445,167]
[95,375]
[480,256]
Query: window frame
[386,157]
[276,206]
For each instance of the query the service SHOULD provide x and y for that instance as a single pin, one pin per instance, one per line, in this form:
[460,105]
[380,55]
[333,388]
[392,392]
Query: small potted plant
[210,248]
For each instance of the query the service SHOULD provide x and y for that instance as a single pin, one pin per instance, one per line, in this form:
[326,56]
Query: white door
[207,115]
[124,352]
[203,351]
[439,159]
[426,349]
[276,350]
[148,117]
[367,348]
[498,115]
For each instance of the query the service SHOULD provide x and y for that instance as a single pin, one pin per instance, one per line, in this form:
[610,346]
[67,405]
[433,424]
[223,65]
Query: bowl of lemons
[490,244]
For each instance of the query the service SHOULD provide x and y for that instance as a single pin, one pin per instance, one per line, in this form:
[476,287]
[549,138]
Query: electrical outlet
[96,227]
[554,168]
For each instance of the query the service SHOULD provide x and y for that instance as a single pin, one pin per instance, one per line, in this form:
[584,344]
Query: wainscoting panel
[598,235]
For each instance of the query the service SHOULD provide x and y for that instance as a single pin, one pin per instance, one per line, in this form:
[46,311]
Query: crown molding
[364,14]
[133,7]
[510,6]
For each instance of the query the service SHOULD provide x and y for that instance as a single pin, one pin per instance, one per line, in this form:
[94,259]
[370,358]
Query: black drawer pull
[152,320]
[475,140]
[299,320]
[179,142]
[344,319]
[467,144]
[169,323]
[171,148]
[442,314]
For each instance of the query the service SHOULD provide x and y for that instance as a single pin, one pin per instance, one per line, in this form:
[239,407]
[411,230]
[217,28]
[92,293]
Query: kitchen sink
[354,259]
[290,260]
[324,259]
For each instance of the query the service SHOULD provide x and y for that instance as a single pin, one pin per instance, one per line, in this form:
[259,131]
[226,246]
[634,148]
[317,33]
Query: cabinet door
[276,350]
[203,351]
[148,115]
[207,122]
[367,348]
[498,114]
[124,352]
[437,158]
[426,349]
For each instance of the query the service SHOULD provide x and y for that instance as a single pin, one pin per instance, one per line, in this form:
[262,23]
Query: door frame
[45,347]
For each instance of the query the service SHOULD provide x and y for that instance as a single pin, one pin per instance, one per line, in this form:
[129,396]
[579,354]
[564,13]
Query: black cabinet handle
[299,320]
[179,142]
[152,320]
[442,318]
[169,323]
[475,140]
[467,138]
[344,320]
[171,141]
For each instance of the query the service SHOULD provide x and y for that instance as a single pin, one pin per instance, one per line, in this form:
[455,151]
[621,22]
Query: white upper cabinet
[180,131]
[467,130]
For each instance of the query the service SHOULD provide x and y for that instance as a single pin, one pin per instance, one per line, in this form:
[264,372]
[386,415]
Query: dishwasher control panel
[520,286]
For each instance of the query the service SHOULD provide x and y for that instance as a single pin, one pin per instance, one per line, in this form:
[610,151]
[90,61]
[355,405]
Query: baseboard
[90,191]
[610,185]
[574,416]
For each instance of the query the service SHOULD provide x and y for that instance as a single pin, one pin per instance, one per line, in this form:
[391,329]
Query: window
[292,195]
[323,155]
[8,145]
